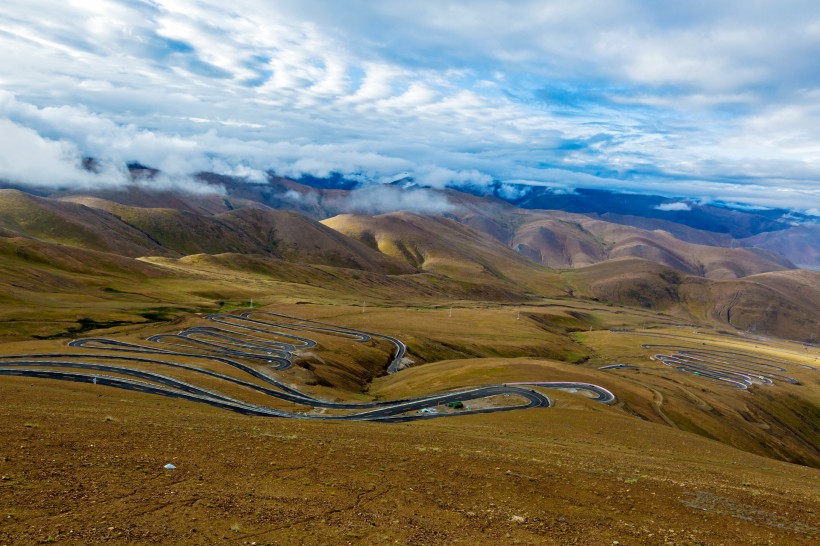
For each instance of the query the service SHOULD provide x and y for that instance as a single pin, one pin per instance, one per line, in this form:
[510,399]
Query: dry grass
[572,474]
[83,464]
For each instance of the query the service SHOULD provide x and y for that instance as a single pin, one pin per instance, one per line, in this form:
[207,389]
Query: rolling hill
[72,224]
[99,224]
[780,303]
[799,244]
[294,237]
[562,240]
[479,248]
[448,248]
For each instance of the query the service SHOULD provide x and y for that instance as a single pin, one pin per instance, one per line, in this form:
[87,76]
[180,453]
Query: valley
[643,360]
[681,444]
[409,273]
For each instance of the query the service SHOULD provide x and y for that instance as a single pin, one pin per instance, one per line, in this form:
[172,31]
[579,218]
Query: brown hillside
[563,240]
[137,196]
[186,232]
[628,281]
[46,289]
[780,303]
[294,237]
[283,234]
[72,224]
[446,247]
[680,231]
[800,244]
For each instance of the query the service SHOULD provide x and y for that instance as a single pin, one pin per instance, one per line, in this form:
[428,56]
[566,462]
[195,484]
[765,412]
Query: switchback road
[268,345]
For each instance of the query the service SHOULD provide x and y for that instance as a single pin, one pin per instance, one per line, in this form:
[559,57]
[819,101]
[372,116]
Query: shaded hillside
[629,281]
[294,237]
[181,231]
[49,289]
[72,224]
[283,234]
[562,240]
[146,197]
[18,252]
[780,303]
[800,244]
[678,230]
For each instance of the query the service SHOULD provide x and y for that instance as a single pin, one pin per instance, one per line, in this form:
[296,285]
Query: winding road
[736,368]
[268,340]
[739,370]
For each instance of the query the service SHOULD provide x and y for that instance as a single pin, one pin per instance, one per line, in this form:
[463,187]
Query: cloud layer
[680,206]
[705,100]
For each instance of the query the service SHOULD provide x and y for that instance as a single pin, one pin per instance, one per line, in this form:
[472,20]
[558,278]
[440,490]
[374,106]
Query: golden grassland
[575,474]
[677,459]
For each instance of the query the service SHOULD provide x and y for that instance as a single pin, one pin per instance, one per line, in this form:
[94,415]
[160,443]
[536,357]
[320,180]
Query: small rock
[518,519]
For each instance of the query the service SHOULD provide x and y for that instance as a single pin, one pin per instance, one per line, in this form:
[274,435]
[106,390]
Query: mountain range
[703,262]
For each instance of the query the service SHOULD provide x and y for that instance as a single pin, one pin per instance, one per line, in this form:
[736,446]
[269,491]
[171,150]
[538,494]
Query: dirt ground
[82,464]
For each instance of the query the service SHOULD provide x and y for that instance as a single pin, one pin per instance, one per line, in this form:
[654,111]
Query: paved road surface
[253,337]
[734,368]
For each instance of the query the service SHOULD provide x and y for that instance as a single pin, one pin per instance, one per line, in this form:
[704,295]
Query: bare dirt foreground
[83,464]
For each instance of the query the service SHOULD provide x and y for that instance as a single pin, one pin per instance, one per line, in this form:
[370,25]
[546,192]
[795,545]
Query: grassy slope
[137,196]
[572,472]
[564,240]
[186,232]
[553,342]
[777,420]
[250,230]
[72,224]
[781,303]
[47,289]
[448,248]
[294,237]
[606,473]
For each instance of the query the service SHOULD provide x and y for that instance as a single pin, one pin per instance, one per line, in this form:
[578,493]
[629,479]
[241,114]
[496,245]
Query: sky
[707,100]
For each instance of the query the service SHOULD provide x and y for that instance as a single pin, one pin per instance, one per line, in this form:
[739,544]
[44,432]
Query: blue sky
[707,100]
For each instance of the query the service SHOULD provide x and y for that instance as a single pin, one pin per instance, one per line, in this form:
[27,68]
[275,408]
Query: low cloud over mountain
[687,102]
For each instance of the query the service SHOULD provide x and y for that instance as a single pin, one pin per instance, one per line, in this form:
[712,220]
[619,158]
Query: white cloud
[381,199]
[697,99]
[25,156]
[670,207]
[513,191]
[309,198]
